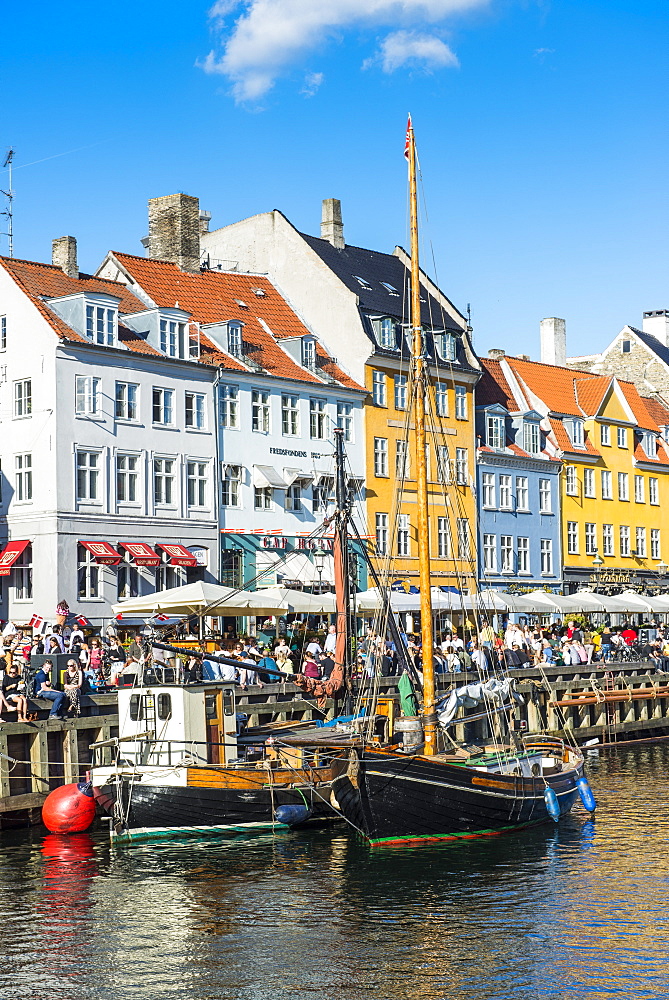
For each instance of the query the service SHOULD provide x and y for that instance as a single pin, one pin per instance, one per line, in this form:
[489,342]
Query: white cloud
[268,36]
[312,82]
[402,48]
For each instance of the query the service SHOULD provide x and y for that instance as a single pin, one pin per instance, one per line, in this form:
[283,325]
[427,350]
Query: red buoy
[69,809]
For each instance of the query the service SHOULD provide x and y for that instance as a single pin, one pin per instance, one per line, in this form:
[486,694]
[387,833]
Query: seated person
[44,689]
[12,691]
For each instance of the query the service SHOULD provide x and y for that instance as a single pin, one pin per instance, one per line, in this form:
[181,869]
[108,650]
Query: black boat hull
[393,799]
[164,809]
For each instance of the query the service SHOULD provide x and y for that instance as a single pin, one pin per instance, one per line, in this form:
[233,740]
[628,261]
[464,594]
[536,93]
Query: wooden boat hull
[225,801]
[393,798]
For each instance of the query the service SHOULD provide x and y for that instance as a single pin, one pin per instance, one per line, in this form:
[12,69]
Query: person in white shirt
[330,643]
[513,635]
[314,647]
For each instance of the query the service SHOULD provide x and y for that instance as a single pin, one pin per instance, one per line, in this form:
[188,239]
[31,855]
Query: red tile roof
[657,411]
[211,297]
[590,392]
[493,387]
[638,407]
[41,281]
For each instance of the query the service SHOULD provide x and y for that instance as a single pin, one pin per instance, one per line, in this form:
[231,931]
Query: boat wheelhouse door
[221,724]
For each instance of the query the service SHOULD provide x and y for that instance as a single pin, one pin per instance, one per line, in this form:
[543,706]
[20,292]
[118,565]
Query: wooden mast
[420,394]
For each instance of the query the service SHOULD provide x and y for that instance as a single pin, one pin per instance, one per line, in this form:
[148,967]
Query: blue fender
[552,804]
[292,815]
[585,791]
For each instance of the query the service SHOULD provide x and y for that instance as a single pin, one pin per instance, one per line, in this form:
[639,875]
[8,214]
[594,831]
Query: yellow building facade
[391,473]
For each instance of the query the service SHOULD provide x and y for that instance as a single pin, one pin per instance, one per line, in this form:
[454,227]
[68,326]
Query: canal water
[580,910]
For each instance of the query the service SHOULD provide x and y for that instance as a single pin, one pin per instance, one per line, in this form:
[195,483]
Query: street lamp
[319,563]
[662,568]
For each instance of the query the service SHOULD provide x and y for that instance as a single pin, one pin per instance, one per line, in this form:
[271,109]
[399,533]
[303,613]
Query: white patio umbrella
[572,604]
[294,601]
[657,604]
[492,601]
[198,598]
[368,601]
[620,604]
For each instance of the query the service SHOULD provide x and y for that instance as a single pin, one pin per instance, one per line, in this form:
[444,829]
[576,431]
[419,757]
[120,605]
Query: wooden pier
[612,703]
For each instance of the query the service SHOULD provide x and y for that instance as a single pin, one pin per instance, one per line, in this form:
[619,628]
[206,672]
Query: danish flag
[36,622]
[407,141]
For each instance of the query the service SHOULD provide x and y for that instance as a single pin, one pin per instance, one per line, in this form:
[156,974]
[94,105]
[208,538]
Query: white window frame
[607,484]
[381,457]
[571,481]
[290,415]
[589,483]
[489,553]
[464,540]
[402,467]
[260,411]
[318,415]
[577,432]
[531,437]
[608,545]
[87,395]
[195,411]
[228,406]
[88,475]
[640,542]
[505,493]
[622,437]
[231,485]
[590,538]
[89,573]
[403,535]
[126,401]
[23,398]
[624,535]
[461,408]
[572,538]
[379,388]
[522,493]
[443,538]
[523,555]
[401,383]
[22,575]
[546,547]
[441,398]
[506,553]
[653,490]
[545,496]
[294,498]
[655,548]
[605,435]
[345,419]
[488,490]
[235,334]
[386,332]
[623,486]
[639,489]
[461,466]
[172,336]
[101,324]
[197,478]
[127,478]
[162,407]
[381,534]
[495,431]
[3,333]
[23,477]
[263,497]
[164,481]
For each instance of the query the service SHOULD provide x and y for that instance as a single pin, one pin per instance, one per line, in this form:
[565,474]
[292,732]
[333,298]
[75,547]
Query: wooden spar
[419,394]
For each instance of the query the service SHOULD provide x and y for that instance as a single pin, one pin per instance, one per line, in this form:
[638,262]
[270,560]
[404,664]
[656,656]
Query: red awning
[142,553]
[105,554]
[10,554]
[179,554]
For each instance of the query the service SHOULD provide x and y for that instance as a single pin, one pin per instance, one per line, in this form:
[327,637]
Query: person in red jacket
[629,635]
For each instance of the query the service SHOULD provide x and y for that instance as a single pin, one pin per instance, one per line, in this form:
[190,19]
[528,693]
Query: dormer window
[531,438]
[101,325]
[446,346]
[309,353]
[576,430]
[648,444]
[172,338]
[495,431]
[235,339]
[385,330]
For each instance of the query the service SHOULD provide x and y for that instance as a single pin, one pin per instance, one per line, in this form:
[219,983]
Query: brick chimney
[174,230]
[553,341]
[64,255]
[332,228]
[656,323]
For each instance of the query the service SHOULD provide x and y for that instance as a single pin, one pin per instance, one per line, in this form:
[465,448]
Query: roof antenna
[469,318]
[9,195]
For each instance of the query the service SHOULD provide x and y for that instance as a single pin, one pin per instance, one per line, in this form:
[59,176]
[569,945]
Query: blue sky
[541,128]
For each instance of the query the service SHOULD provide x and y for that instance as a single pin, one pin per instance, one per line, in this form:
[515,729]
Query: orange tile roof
[211,297]
[590,392]
[564,442]
[493,387]
[638,407]
[657,410]
[41,281]
[551,383]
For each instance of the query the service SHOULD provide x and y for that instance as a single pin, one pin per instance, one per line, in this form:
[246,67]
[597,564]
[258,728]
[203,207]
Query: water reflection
[564,912]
